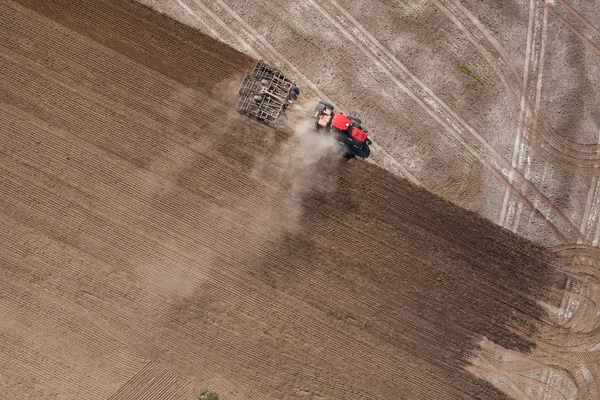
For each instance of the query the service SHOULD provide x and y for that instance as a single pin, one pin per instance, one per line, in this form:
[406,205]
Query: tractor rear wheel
[356,120]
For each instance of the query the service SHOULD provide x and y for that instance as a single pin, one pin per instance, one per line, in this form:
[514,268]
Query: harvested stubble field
[155,243]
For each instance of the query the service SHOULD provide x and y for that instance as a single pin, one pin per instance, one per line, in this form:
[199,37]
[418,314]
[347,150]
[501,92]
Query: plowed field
[155,243]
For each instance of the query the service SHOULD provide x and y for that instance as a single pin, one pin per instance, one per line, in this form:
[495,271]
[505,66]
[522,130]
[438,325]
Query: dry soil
[155,243]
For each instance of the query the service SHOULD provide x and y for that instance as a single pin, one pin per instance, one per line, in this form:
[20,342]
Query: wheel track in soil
[452,123]
[557,148]
[523,153]
[552,10]
[535,40]
[555,142]
[462,17]
[520,368]
[589,226]
[580,17]
[590,223]
[590,220]
[263,49]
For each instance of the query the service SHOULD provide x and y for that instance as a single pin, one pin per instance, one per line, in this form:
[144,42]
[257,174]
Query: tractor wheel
[319,107]
[356,120]
[322,105]
[327,105]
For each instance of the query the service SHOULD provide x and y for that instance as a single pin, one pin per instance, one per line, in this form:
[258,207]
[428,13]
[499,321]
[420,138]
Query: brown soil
[156,242]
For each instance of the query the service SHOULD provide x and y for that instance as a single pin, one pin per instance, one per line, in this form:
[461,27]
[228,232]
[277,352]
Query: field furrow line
[165,308]
[147,252]
[182,238]
[133,13]
[328,341]
[63,189]
[95,57]
[148,371]
[110,98]
[72,106]
[143,40]
[63,123]
[39,314]
[422,218]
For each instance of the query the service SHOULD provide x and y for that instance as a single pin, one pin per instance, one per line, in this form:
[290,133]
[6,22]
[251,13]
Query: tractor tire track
[590,219]
[580,17]
[552,374]
[523,156]
[587,227]
[568,155]
[521,120]
[590,223]
[452,123]
[570,26]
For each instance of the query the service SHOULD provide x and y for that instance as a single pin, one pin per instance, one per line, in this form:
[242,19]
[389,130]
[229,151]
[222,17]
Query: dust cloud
[270,208]
[304,163]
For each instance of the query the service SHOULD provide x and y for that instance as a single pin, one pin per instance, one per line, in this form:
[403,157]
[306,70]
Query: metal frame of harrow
[273,88]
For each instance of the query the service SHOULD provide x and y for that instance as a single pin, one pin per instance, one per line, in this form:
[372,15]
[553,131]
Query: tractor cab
[346,128]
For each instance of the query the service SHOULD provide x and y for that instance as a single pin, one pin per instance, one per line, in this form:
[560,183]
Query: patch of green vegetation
[308,40]
[207,395]
[468,71]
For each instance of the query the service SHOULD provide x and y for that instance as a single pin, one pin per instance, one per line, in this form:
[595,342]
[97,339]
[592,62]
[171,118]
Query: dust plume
[304,163]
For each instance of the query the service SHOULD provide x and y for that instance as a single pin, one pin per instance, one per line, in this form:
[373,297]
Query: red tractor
[347,130]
